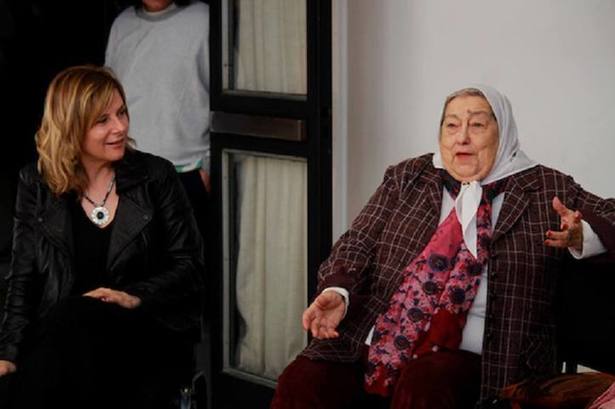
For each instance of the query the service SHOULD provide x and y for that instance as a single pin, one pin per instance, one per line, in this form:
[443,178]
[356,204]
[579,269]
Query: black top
[91,248]
[155,251]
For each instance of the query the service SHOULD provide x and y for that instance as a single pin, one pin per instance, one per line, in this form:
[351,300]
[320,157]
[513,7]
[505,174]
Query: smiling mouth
[118,142]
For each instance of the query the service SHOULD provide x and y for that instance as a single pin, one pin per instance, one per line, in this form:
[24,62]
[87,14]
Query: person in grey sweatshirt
[159,50]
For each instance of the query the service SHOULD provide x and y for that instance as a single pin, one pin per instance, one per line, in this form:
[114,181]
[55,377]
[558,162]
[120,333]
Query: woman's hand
[324,315]
[7,367]
[114,296]
[571,234]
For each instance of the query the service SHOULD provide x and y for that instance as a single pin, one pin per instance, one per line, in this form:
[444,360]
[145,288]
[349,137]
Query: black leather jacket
[155,252]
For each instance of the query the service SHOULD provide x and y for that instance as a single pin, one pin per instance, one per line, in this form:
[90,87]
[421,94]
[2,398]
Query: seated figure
[442,291]
[105,283]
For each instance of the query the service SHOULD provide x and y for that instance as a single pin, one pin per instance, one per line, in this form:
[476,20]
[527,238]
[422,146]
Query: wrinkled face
[105,142]
[468,138]
[156,5]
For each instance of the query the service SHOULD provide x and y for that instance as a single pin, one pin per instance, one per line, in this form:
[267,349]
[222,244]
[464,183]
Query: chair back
[586,315]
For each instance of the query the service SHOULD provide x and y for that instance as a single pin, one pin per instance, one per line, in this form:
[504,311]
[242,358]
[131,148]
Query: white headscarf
[510,159]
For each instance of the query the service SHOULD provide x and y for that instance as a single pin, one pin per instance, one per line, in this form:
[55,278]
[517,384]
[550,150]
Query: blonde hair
[76,97]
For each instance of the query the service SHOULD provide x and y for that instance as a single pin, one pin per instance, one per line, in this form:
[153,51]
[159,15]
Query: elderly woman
[442,291]
[107,270]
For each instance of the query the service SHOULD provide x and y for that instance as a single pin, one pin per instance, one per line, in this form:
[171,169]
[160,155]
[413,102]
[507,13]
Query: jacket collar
[56,223]
[516,199]
[131,215]
[130,171]
[432,180]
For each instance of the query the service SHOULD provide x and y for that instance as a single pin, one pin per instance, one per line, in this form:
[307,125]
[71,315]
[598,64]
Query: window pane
[265,46]
[265,240]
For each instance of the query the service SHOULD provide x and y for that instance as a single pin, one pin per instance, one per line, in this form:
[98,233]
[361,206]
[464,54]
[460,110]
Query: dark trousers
[440,380]
[200,201]
[90,354]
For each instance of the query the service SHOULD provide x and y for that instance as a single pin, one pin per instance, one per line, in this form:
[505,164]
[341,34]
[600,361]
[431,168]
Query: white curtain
[271,281]
[272,52]
[271,275]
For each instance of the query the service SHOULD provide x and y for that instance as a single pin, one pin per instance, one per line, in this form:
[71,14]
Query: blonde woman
[107,269]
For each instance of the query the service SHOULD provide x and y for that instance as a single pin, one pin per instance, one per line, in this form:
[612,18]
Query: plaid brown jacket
[399,220]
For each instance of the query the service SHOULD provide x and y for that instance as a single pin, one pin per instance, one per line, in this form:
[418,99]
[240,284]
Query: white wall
[339,64]
[554,59]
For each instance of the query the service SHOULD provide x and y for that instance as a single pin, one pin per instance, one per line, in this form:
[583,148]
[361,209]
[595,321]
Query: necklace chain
[102,204]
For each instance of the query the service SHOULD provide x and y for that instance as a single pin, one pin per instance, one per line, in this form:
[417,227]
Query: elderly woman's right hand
[324,315]
[7,367]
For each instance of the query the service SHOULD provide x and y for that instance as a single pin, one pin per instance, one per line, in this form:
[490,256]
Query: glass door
[271,180]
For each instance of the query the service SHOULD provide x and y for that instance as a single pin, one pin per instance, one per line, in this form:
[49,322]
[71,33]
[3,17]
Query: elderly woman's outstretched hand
[324,315]
[571,234]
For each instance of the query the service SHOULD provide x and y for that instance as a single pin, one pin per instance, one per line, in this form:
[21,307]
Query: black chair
[193,384]
[192,389]
[586,315]
[6,229]
[585,336]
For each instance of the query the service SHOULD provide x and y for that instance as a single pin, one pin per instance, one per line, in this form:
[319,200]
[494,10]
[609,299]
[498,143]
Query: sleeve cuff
[592,245]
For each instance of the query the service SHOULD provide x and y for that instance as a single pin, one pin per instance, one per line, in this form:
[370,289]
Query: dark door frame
[316,113]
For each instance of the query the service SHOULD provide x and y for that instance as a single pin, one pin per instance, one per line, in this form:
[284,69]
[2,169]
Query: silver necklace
[100,214]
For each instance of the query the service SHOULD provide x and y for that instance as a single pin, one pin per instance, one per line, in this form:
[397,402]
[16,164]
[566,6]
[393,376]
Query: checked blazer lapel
[422,201]
[516,201]
[433,194]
